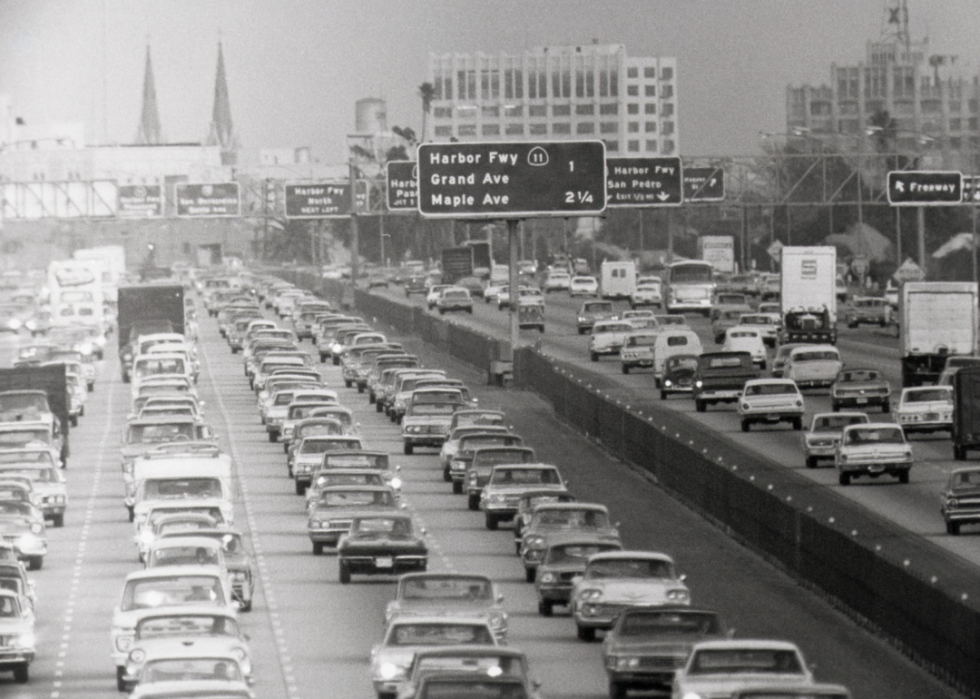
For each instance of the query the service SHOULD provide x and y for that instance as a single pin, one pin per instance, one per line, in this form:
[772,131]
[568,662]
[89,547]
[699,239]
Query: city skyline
[296,69]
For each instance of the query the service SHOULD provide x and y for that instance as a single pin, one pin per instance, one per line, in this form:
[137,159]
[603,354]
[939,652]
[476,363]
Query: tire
[834,407]
[473,502]
[886,407]
[616,690]
[59,520]
[22,673]
[663,395]
[530,574]
[73,420]
[120,682]
[762,366]
[581,331]
[626,368]
[343,573]
[317,548]
[745,425]
[844,478]
[953,528]
[336,361]
[491,522]
[593,356]
[959,453]
[586,634]
[903,477]
[35,562]
[246,606]
[442,311]
[545,607]
[446,477]
[457,488]
[348,384]
[797,423]
[700,406]
[273,436]
[323,358]
[131,513]
[378,407]
[360,389]
[300,488]
[719,339]
[409,449]
[811,462]
[285,448]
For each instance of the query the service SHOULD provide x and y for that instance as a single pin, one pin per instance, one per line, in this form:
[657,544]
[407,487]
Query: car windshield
[448,587]
[524,476]
[23,402]
[502,456]
[37,475]
[598,307]
[179,555]
[570,518]
[770,389]
[23,436]
[155,488]
[815,356]
[432,409]
[154,434]
[926,395]
[575,553]
[682,363]
[377,461]
[152,367]
[859,375]
[745,660]
[629,568]
[312,445]
[965,480]
[172,590]
[725,362]
[12,508]
[837,423]
[874,435]
[382,526]
[190,669]
[443,634]
[446,688]
[656,623]
[357,498]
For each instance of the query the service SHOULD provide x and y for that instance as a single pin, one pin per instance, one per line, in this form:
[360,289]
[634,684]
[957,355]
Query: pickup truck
[720,377]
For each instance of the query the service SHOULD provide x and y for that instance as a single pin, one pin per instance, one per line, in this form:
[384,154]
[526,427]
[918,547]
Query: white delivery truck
[936,320]
[113,259]
[808,294]
[719,250]
[76,292]
[618,279]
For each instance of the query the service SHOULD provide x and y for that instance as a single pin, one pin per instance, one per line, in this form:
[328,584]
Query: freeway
[915,507]
[311,637]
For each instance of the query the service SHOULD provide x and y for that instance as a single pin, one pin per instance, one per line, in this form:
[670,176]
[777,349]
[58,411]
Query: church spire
[148,133]
[222,132]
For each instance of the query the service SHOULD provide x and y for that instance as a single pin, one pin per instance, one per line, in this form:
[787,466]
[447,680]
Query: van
[186,477]
[617,279]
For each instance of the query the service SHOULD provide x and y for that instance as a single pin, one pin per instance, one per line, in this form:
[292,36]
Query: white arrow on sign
[899,185]
[663,196]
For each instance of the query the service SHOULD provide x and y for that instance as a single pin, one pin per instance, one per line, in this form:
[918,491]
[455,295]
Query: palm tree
[427,92]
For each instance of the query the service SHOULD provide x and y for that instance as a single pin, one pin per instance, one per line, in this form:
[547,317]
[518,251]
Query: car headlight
[137,656]
[679,596]
[745,406]
[497,619]
[547,577]
[590,595]
[390,671]
[698,383]
[535,542]
[37,528]
[952,503]
[24,640]
[239,576]
[146,537]
[124,642]
[396,483]
[32,325]
[497,498]
[14,323]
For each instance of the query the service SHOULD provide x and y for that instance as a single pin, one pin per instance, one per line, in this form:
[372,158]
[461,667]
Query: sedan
[722,668]
[860,389]
[379,544]
[583,286]
[926,409]
[961,499]
[745,339]
[821,440]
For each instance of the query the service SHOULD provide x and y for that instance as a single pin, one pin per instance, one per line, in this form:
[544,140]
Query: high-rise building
[593,91]
[901,93]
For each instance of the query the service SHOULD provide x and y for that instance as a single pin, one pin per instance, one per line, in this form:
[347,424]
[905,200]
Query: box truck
[936,320]
[808,294]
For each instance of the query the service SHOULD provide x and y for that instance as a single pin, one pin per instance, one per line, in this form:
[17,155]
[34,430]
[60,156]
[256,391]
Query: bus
[690,286]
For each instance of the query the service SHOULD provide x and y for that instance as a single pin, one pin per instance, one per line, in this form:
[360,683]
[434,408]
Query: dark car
[860,389]
[382,544]
[679,373]
[415,285]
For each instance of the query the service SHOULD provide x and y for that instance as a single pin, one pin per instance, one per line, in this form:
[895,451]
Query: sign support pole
[512,243]
[920,213]
[354,252]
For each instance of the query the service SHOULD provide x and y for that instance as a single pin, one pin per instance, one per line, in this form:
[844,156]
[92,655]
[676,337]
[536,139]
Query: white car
[823,437]
[583,286]
[771,401]
[746,339]
[557,281]
[873,449]
[813,366]
[432,295]
[649,292]
[925,409]
[719,669]
[765,323]
[608,337]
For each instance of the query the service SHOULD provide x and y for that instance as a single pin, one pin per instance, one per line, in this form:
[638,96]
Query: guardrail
[912,591]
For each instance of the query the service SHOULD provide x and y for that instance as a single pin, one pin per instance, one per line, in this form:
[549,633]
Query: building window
[538,129]
[669,146]
[632,109]
[585,127]
[633,127]
[584,109]
[650,90]
[491,129]
[633,146]
[580,83]
[651,146]
[955,106]
[668,128]
[561,128]
[611,146]
[844,108]
[650,127]
[609,109]
[956,143]
[467,130]
[561,110]
[443,131]
[632,73]
[668,109]
[633,90]
[974,104]
[667,92]
[491,111]
[443,112]
[589,84]
[667,73]
[955,124]
[650,72]
[650,108]
[537,110]
[825,108]
[973,123]
[513,110]
[515,129]
[464,111]
[931,106]
[609,127]
[603,83]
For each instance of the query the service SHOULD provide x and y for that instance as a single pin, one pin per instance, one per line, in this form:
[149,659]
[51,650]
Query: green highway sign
[512,180]
[403,185]
[644,182]
[704,184]
[318,200]
[925,188]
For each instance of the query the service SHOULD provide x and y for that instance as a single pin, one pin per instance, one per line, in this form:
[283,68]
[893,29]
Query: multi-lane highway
[915,507]
[311,637]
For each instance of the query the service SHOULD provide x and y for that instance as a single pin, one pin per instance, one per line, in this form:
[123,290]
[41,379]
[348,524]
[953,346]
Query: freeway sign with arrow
[925,188]
[704,184]
[643,182]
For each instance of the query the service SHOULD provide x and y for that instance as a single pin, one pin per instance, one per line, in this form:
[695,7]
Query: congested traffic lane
[914,507]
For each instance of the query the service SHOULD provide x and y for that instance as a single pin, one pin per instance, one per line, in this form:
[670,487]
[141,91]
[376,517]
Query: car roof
[745,643]
[170,571]
[644,555]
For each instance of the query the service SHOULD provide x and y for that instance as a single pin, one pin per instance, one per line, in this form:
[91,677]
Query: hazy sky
[296,67]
